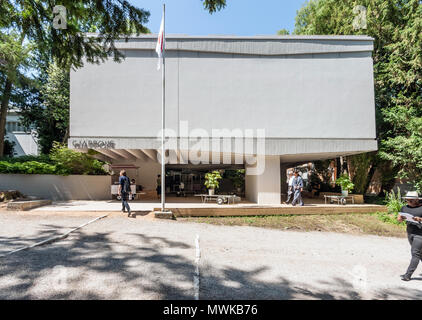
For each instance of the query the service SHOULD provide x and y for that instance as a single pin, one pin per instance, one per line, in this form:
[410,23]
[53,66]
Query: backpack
[126,186]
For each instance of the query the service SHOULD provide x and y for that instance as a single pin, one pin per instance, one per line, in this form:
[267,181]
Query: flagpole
[163,114]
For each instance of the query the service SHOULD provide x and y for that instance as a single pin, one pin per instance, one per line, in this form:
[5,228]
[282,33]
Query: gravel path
[121,258]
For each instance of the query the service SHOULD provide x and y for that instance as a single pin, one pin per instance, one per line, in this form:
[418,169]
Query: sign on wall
[93,144]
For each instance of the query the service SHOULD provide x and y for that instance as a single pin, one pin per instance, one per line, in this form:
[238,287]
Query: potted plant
[237,177]
[346,185]
[211,181]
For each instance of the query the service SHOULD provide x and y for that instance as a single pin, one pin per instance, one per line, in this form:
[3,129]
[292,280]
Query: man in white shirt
[289,187]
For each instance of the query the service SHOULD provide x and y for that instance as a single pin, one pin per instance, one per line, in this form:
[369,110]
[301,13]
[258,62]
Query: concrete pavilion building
[274,101]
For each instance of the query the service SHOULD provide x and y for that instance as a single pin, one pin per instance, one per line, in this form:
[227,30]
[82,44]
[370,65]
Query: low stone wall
[27,205]
[54,187]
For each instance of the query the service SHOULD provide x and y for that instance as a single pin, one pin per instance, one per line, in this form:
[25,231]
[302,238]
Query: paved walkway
[109,205]
[141,258]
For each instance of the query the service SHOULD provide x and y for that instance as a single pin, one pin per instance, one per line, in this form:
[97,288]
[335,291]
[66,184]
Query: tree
[14,58]
[214,5]
[396,26]
[402,144]
[24,22]
[283,32]
[50,116]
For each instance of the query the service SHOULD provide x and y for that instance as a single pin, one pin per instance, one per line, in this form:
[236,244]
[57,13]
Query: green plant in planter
[211,180]
[345,183]
[237,177]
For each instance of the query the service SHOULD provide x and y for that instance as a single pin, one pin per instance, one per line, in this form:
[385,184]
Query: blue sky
[240,17]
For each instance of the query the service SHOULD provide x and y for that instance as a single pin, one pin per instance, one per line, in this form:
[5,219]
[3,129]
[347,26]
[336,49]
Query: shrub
[394,204]
[61,161]
[394,201]
[390,218]
[43,158]
[29,167]
[72,162]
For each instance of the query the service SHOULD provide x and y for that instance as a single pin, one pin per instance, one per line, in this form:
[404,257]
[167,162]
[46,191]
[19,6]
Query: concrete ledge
[55,187]
[268,211]
[163,214]
[27,205]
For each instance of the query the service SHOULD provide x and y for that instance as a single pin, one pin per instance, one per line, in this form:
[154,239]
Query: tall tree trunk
[339,168]
[66,136]
[370,176]
[3,113]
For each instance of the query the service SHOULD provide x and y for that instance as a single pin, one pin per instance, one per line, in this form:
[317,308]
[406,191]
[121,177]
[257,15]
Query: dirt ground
[346,223]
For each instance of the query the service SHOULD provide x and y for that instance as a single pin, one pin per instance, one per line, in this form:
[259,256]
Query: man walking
[289,187]
[297,185]
[414,231]
[124,191]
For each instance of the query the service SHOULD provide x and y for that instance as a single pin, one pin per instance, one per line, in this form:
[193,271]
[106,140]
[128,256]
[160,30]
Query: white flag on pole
[160,44]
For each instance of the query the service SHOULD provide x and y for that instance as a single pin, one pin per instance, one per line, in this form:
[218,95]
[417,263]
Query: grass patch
[343,223]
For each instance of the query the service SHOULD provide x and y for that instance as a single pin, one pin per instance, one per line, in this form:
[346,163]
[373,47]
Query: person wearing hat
[414,231]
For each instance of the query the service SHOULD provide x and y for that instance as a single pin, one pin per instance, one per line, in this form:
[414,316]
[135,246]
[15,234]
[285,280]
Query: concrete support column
[265,188]
[283,175]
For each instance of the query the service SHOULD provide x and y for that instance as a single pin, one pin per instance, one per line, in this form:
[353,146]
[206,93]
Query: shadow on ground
[145,268]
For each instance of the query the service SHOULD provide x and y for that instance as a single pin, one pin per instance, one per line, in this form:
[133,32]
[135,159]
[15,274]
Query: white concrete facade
[265,188]
[312,96]
[25,143]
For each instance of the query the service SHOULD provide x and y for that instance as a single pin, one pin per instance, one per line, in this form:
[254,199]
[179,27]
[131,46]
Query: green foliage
[26,33]
[29,167]
[72,162]
[344,182]
[211,179]
[236,176]
[61,161]
[14,61]
[359,167]
[405,151]
[111,19]
[394,204]
[394,201]
[214,5]
[13,54]
[283,32]
[50,118]
[390,218]
[43,158]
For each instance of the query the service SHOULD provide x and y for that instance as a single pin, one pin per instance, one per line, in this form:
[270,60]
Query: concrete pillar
[265,188]
[283,175]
